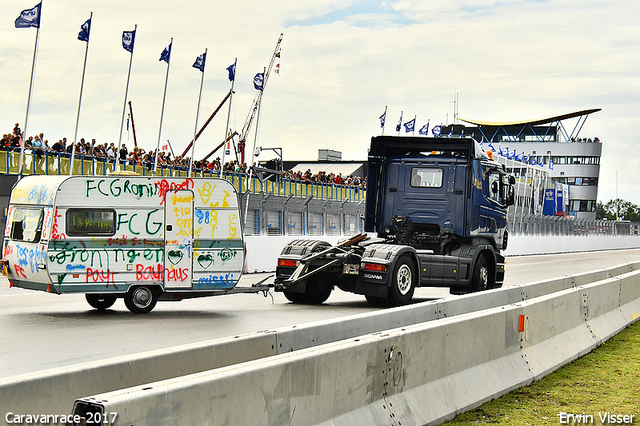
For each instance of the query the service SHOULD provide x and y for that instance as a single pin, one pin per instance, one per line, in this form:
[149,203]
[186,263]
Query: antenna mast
[256,103]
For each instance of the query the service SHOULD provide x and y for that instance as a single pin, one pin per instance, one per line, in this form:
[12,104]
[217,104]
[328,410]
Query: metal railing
[276,206]
[536,225]
[54,163]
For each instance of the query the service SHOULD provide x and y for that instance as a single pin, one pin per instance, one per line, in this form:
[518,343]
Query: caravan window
[82,222]
[26,224]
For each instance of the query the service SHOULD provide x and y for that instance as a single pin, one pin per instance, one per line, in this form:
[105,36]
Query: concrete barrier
[46,392]
[419,374]
[263,251]
[54,391]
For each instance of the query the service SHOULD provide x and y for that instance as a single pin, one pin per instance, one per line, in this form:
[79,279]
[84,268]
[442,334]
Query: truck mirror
[511,195]
[494,187]
[512,180]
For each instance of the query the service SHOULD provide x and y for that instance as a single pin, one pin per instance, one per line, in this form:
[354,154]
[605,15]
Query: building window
[582,205]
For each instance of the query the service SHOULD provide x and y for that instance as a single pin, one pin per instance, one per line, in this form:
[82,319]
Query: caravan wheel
[100,301]
[141,299]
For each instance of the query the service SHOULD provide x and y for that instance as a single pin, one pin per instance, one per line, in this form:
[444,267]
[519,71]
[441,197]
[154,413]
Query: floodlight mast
[255,106]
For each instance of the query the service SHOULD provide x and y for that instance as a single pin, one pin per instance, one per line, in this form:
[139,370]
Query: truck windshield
[26,224]
[426,177]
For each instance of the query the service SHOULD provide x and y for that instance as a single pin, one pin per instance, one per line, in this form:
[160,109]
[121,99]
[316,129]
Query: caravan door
[178,249]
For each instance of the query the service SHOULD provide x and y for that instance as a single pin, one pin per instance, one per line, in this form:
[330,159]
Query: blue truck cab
[436,193]
[438,210]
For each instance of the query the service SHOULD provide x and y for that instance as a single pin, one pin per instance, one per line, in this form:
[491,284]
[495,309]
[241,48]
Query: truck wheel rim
[484,277]
[403,279]
[141,297]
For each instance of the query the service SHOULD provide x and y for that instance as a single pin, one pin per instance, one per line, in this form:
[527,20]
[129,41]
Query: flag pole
[26,118]
[75,133]
[255,136]
[415,117]
[384,123]
[195,130]
[124,106]
[164,97]
[399,126]
[227,130]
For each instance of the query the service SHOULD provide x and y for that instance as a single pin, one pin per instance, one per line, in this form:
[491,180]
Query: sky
[342,63]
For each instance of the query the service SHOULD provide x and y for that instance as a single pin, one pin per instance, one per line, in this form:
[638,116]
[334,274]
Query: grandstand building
[549,144]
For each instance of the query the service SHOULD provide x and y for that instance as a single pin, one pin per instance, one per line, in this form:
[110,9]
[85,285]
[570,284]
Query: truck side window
[26,224]
[495,189]
[426,177]
[82,222]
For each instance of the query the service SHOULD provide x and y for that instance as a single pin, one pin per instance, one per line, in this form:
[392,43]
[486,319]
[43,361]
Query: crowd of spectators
[323,177]
[139,157]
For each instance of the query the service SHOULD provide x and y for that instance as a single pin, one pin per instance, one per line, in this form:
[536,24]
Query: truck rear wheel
[403,282]
[100,301]
[376,301]
[315,292]
[298,298]
[141,299]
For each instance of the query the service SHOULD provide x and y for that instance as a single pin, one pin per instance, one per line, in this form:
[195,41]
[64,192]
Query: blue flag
[437,131]
[29,17]
[383,117]
[258,81]
[520,157]
[399,125]
[200,61]
[166,54]
[550,164]
[128,38]
[491,148]
[85,29]
[424,130]
[410,126]
[450,133]
[232,72]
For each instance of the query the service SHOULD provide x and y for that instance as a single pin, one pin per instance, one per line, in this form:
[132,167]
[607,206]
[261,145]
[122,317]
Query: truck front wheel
[141,299]
[403,282]
[481,280]
[100,301]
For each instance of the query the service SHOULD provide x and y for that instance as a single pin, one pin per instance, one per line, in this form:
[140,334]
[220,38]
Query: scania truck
[436,216]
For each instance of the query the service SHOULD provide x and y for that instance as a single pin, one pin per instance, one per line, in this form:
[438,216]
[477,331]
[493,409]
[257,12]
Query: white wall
[263,251]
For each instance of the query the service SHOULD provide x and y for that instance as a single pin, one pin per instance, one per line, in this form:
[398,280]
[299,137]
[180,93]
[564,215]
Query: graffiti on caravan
[120,188]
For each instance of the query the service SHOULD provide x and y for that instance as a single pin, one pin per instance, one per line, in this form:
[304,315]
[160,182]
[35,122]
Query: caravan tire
[141,299]
[100,301]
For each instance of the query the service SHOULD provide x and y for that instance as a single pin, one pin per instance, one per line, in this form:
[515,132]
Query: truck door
[178,251]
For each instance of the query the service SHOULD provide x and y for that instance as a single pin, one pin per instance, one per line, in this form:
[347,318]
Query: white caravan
[140,238]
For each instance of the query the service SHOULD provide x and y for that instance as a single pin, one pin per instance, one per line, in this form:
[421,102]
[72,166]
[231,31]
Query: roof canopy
[549,120]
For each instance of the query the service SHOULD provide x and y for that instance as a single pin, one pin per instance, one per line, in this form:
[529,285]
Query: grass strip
[607,380]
